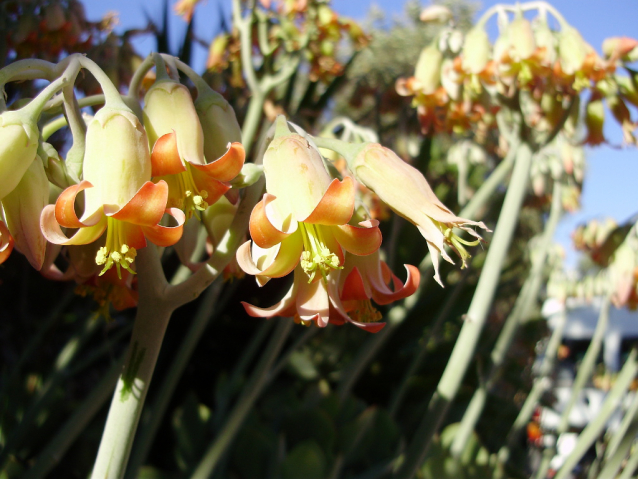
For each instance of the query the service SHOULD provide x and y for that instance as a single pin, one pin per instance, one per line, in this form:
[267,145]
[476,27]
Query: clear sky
[611,182]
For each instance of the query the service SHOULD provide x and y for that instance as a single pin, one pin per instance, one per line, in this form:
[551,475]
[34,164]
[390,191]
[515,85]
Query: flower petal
[354,288]
[165,158]
[381,294]
[285,307]
[262,230]
[228,166]
[214,188]
[146,208]
[369,327]
[287,258]
[6,242]
[336,205]
[53,233]
[359,240]
[312,300]
[65,208]
[166,235]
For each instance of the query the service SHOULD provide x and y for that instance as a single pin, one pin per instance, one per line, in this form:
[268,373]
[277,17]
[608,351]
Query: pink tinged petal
[215,189]
[65,206]
[312,300]
[369,327]
[336,205]
[166,235]
[287,258]
[133,235]
[228,166]
[53,233]
[354,289]
[6,243]
[262,231]
[434,254]
[146,208]
[165,158]
[362,240]
[285,307]
[381,294]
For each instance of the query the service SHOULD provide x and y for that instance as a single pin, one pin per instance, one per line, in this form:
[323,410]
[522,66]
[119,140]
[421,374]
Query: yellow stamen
[456,242]
[115,251]
[316,256]
[365,312]
[192,198]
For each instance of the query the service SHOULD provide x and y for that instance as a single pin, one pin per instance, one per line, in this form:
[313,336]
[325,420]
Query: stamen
[365,312]
[316,256]
[115,251]
[193,199]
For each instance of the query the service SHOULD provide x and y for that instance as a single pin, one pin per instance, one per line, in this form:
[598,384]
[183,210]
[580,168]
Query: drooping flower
[177,141]
[18,148]
[119,196]
[302,224]
[406,191]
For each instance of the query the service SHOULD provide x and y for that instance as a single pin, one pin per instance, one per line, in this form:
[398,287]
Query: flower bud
[572,50]
[116,161]
[428,69]
[219,123]
[22,209]
[546,41]
[18,149]
[618,47]
[522,44]
[476,50]
[594,119]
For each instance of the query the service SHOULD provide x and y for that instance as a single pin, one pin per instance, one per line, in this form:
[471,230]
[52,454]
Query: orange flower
[119,198]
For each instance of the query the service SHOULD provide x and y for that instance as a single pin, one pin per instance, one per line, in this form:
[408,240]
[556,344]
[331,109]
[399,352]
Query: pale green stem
[138,77]
[621,432]
[111,94]
[586,368]
[544,6]
[69,432]
[151,322]
[630,467]
[161,74]
[541,384]
[215,451]
[477,314]
[520,312]
[595,427]
[75,155]
[398,313]
[433,334]
[148,430]
[614,462]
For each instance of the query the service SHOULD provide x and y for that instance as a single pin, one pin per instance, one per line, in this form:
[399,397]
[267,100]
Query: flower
[22,208]
[18,148]
[406,191]
[119,196]
[303,218]
[177,141]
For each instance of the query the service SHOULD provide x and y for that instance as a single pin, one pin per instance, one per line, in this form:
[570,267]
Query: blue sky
[612,174]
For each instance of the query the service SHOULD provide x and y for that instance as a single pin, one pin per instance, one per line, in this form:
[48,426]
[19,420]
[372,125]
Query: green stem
[111,94]
[520,313]
[622,449]
[432,337]
[66,436]
[586,368]
[481,302]
[215,451]
[630,467]
[148,431]
[138,77]
[541,384]
[630,416]
[152,319]
[595,427]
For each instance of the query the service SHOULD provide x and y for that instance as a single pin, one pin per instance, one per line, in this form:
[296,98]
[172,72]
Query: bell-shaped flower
[304,217]
[572,50]
[428,70]
[316,301]
[366,278]
[6,242]
[119,196]
[22,209]
[476,51]
[407,192]
[177,141]
[218,120]
[18,148]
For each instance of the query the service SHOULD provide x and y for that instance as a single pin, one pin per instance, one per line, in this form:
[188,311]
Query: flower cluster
[459,85]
